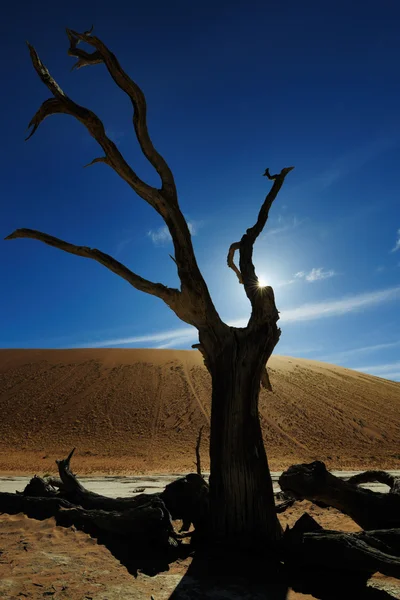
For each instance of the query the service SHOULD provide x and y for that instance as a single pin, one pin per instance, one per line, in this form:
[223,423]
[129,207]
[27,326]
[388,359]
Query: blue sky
[232,87]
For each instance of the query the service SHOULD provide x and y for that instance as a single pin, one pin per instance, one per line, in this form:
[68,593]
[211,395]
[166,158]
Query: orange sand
[139,411]
[39,560]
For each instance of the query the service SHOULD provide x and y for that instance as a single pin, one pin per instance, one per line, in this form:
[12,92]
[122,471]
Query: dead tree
[142,515]
[391,481]
[142,526]
[242,501]
[198,458]
[370,510]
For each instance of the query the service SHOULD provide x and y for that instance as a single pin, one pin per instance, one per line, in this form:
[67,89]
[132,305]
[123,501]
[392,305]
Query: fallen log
[391,481]
[148,524]
[186,498]
[147,515]
[144,524]
[39,508]
[73,491]
[308,544]
[370,510]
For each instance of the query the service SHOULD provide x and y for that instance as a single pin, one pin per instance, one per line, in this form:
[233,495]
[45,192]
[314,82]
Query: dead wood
[377,476]
[198,459]
[370,510]
[242,499]
[186,499]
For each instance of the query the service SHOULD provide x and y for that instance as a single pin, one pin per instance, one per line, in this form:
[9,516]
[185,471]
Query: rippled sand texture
[139,411]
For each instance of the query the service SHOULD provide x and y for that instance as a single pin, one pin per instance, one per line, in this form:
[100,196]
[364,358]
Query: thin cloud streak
[397,244]
[316,274]
[353,160]
[380,368]
[285,225]
[387,371]
[162,236]
[155,338]
[307,312]
[333,308]
[338,356]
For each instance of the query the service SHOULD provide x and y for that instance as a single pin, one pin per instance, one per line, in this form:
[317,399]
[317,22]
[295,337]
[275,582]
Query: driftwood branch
[377,476]
[307,545]
[370,510]
[170,296]
[144,524]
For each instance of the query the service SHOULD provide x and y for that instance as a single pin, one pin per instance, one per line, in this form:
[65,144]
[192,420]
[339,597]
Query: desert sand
[39,560]
[139,411]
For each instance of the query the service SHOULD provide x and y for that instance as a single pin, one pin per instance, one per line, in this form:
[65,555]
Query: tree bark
[242,497]
[370,510]
[242,503]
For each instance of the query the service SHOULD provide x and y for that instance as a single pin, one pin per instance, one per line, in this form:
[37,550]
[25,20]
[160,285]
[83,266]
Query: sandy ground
[40,560]
[139,411]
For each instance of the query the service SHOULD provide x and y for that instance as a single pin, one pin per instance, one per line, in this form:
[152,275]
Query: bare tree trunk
[241,493]
[241,488]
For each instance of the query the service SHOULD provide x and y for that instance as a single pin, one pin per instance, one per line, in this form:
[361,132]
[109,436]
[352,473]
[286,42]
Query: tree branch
[261,298]
[265,382]
[137,98]
[198,459]
[231,260]
[61,103]
[195,301]
[169,295]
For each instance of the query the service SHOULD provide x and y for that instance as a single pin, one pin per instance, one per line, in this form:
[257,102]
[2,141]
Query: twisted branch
[231,260]
[246,272]
[61,103]
[193,304]
[137,98]
[169,295]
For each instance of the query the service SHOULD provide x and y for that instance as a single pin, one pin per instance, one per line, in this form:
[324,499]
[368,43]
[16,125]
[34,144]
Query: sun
[261,282]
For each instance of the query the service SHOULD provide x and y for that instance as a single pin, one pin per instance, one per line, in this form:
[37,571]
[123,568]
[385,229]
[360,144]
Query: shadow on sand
[223,577]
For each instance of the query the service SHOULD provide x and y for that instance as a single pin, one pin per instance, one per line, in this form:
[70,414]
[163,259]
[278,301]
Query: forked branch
[170,296]
[195,304]
[246,272]
[61,103]
[136,96]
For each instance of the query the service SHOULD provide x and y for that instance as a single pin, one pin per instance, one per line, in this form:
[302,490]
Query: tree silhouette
[241,494]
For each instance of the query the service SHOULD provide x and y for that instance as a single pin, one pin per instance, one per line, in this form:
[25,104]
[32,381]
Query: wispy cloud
[315,274]
[354,160]
[306,312]
[162,236]
[397,244]
[285,224]
[341,306]
[311,276]
[161,339]
[387,371]
[159,236]
[345,354]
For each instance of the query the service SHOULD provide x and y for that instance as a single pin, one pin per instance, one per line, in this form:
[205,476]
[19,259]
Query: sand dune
[137,411]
